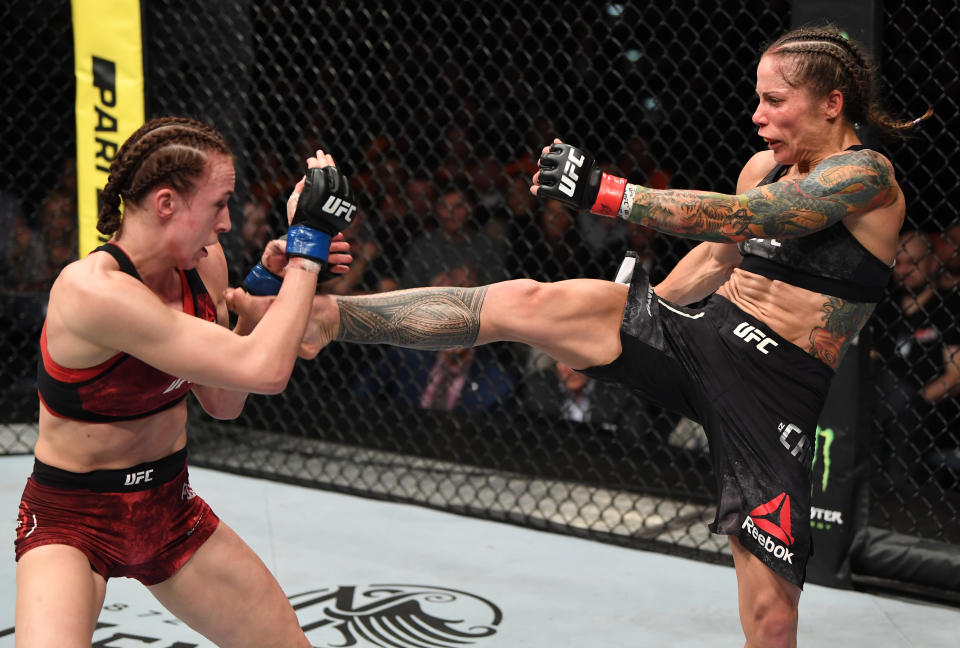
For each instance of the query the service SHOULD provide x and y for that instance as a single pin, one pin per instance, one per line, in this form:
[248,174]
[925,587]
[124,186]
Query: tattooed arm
[848,183]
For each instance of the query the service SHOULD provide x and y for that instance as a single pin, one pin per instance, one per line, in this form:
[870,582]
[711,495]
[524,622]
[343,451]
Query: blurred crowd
[916,354]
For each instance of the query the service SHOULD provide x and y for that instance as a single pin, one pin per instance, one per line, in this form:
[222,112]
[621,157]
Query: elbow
[265,371]
[277,382]
[222,407]
[226,415]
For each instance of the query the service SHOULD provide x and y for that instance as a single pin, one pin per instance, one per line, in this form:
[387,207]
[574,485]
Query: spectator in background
[559,393]
[639,166]
[364,180]
[947,249]
[394,221]
[522,212]
[35,257]
[550,248]
[421,196]
[261,223]
[917,342]
[456,157]
[372,270]
[58,218]
[488,183]
[524,164]
[269,180]
[397,207]
[453,243]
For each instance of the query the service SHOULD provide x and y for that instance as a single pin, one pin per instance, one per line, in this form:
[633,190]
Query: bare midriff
[821,325]
[78,446]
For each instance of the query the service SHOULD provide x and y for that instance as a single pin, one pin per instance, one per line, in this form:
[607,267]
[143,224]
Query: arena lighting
[633,55]
[615,9]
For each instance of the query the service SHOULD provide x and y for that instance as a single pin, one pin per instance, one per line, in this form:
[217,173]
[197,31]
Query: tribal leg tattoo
[420,318]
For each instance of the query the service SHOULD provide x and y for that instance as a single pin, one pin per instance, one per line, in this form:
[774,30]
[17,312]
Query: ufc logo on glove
[339,208]
[568,181]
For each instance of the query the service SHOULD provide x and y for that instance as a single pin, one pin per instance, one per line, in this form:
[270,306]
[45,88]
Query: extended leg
[576,321]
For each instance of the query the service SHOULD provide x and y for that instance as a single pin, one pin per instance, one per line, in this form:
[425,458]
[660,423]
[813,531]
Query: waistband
[794,354]
[136,478]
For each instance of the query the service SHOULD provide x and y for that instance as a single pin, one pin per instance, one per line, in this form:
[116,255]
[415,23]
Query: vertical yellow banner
[108,55]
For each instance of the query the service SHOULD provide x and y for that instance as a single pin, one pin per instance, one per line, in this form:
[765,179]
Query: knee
[521,298]
[516,310]
[773,622]
[528,291]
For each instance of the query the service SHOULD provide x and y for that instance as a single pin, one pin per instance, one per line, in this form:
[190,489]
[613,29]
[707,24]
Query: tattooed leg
[421,318]
[576,322]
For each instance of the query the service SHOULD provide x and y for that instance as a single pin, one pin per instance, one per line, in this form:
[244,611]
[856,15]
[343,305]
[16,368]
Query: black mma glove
[572,176]
[325,208]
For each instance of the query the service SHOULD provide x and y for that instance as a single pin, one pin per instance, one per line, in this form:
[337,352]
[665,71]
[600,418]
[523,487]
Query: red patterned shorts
[142,522]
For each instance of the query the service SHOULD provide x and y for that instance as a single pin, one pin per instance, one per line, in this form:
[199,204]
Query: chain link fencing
[437,116]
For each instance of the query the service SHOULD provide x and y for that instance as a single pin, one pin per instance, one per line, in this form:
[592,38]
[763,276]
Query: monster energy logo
[827,435]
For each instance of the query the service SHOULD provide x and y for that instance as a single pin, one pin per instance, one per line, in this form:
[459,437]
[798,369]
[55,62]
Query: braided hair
[824,59]
[168,150]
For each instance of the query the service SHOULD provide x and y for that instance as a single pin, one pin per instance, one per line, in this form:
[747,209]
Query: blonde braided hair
[824,59]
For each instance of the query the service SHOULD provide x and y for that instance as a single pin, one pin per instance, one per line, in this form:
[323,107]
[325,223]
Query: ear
[165,201]
[833,104]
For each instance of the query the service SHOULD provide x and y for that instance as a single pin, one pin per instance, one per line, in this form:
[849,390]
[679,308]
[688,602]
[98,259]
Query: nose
[224,224]
[759,118]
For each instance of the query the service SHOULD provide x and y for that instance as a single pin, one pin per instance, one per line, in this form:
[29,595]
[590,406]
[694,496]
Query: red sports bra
[121,388]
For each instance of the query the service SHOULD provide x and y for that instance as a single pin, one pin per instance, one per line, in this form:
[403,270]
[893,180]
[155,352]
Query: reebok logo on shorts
[769,525]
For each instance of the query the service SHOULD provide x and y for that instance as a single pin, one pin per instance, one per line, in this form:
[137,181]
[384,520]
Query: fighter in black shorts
[758,397]
[793,265]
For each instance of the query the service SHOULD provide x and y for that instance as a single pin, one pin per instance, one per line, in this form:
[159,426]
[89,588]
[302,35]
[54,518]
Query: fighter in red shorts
[131,329]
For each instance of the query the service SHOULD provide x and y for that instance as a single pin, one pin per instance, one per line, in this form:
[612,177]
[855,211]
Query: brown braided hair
[824,59]
[164,151]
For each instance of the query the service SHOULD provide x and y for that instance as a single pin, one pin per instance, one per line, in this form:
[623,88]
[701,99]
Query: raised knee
[512,309]
[528,290]
[523,297]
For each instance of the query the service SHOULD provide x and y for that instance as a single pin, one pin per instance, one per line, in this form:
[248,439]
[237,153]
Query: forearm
[699,273]
[838,187]
[271,349]
[854,182]
[700,215]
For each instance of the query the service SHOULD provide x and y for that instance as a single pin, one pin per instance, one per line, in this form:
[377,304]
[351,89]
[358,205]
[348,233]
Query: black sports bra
[831,261]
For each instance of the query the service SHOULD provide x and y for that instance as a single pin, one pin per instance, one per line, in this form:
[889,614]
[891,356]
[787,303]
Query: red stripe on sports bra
[66,374]
[187,294]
